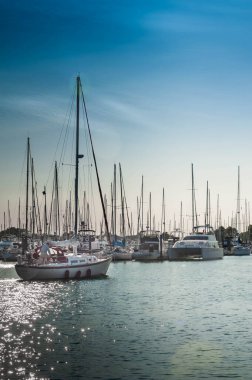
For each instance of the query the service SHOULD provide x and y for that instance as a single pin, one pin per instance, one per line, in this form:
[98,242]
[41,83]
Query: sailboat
[149,247]
[121,250]
[66,265]
[238,249]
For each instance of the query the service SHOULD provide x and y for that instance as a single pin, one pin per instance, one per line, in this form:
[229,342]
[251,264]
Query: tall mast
[96,170]
[27,186]
[238,220]
[209,209]
[57,211]
[70,217]
[163,214]
[142,201]
[115,203]
[9,217]
[77,156]
[112,210]
[150,213]
[33,200]
[85,210]
[192,199]
[218,207]
[25,237]
[66,218]
[206,215]
[45,213]
[181,221]
[122,202]
[19,220]
[138,216]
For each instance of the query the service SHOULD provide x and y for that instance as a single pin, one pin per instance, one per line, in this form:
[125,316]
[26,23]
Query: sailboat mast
[238,220]
[122,202]
[77,156]
[8,208]
[142,201]
[150,213]
[218,206]
[27,186]
[206,215]
[115,203]
[192,200]
[19,220]
[57,211]
[33,200]
[163,215]
[209,209]
[45,213]
[96,170]
[181,221]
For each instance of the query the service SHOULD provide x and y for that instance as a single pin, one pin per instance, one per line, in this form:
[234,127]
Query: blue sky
[167,84]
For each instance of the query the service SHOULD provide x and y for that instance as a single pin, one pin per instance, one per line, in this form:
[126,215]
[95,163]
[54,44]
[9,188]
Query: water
[170,320]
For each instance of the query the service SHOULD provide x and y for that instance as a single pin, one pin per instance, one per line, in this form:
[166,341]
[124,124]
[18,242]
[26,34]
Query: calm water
[170,320]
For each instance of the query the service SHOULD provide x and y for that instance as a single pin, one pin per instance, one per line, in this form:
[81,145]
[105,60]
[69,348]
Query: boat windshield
[196,237]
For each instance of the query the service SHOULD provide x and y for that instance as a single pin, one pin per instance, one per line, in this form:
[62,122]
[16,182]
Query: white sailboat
[66,265]
[238,249]
[73,266]
[149,247]
[121,250]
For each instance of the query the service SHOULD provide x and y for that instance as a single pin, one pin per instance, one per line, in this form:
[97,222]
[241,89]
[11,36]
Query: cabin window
[196,237]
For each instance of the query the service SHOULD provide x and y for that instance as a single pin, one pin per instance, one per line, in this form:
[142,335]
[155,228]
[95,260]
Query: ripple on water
[170,320]
[24,336]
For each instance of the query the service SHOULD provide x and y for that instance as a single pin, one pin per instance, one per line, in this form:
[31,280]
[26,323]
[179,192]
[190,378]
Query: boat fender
[78,274]
[89,273]
[66,275]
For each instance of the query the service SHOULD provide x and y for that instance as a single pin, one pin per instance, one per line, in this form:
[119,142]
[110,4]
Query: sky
[167,84]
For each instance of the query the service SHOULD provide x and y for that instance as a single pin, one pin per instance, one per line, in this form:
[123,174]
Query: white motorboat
[240,250]
[201,243]
[62,267]
[202,246]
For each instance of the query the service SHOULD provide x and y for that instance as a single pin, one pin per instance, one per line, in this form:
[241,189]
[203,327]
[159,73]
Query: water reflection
[23,306]
[155,321]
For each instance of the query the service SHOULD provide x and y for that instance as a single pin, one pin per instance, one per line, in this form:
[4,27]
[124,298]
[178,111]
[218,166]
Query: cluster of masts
[50,220]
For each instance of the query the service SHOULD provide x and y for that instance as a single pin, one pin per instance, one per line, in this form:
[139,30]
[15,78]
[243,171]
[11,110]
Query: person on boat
[45,252]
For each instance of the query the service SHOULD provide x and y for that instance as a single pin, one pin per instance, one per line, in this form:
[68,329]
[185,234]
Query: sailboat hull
[61,271]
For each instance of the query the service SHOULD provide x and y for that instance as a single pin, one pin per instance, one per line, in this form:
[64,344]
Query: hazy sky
[167,84]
